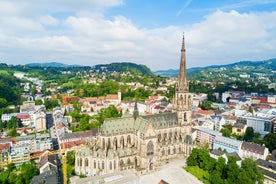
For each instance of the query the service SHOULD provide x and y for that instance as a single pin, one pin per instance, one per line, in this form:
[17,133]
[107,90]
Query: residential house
[218,121]
[239,128]
[253,151]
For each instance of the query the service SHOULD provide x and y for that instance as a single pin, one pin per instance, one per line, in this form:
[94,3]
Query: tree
[51,103]
[232,170]
[250,172]
[270,141]
[13,133]
[225,132]
[38,102]
[206,105]
[249,134]
[110,112]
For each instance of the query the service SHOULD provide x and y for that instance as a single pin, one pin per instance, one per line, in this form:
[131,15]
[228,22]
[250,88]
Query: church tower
[182,102]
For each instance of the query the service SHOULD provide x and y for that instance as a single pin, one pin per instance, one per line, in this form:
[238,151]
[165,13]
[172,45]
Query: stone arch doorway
[150,167]
[135,162]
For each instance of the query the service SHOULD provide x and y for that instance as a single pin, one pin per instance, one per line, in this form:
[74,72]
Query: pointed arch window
[122,142]
[150,148]
[115,142]
[103,142]
[86,162]
[185,116]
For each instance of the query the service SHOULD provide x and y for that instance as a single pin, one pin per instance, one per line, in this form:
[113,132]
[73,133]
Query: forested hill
[247,67]
[124,67]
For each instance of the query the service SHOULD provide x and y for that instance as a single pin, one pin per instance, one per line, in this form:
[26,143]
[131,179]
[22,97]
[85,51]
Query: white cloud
[85,36]
[49,20]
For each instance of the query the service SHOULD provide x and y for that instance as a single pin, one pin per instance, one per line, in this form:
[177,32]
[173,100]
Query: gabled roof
[253,147]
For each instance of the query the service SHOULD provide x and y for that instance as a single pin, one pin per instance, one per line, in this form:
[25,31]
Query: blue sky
[149,32]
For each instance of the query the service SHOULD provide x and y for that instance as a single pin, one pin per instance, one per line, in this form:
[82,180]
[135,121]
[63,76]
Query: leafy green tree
[206,105]
[232,170]
[51,103]
[28,171]
[225,132]
[38,102]
[270,141]
[250,172]
[13,133]
[110,112]
[3,102]
[12,123]
[249,134]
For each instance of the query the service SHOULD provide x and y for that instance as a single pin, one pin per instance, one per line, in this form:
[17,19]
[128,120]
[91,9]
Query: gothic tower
[182,102]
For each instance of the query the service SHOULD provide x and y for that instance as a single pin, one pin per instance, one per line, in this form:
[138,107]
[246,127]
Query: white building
[253,151]
[218,121]
[227,144]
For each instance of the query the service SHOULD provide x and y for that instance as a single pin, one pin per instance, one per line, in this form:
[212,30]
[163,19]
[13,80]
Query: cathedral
[142,143]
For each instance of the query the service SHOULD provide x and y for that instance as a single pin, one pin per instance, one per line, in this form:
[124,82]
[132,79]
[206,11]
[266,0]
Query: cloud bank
[78,33]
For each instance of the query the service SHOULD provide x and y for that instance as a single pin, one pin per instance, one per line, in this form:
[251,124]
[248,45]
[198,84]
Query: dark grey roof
[239,125]
[217,152]
[253,147]
[48,158]
[234,154]
[48,177]
[268,168]
[162,120]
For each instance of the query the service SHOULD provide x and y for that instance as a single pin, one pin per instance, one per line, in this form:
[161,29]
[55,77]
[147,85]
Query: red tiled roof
[74,143]
[13,139]
[205,112]
[23,116]
[112,97]
[4,146]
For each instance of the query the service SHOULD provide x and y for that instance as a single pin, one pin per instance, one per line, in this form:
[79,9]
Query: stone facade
[141,143]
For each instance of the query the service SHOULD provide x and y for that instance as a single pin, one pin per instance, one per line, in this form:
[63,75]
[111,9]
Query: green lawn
[199,173]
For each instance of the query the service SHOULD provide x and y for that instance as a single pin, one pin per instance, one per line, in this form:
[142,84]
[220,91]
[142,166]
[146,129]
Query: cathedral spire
[182,83]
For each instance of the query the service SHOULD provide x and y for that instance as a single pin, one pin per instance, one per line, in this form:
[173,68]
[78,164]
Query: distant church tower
[182,102]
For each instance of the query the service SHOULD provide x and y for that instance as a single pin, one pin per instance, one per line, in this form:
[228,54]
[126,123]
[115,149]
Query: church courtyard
[172,173]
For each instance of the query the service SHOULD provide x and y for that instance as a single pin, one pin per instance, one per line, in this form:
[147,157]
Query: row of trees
[220,172]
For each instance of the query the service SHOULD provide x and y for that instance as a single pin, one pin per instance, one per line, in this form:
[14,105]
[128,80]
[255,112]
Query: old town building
[141,142]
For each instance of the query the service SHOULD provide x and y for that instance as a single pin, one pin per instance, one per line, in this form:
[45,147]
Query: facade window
[128,139]
[114,164]
[128,161]
[122,142]
[103,165]
[95,164]
[80,162]
[150,148]
[115,142]
[110,165]
[86,162]
[169,151]
[103,141]
[163,152]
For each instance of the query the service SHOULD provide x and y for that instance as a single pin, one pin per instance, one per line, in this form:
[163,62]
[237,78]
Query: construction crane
[64,164]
